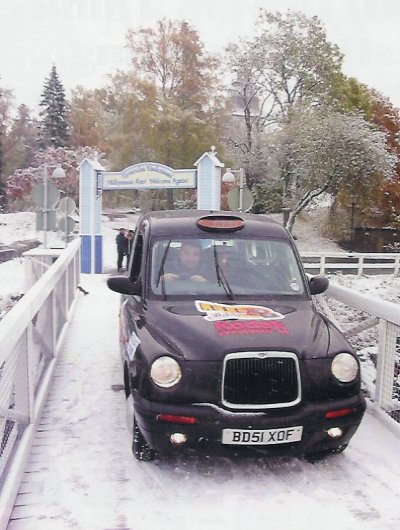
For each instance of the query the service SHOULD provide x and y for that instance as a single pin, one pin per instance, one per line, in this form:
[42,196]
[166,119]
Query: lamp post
[57,174]
[229,178]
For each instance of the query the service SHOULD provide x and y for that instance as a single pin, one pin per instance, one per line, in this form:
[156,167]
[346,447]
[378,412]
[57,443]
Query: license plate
[263,437]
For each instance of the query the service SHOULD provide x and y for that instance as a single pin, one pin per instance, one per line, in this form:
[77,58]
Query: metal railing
[31,336]
[386,316]
[351,263]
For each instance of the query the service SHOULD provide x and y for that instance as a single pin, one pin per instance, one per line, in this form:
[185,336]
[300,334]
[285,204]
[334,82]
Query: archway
[206,177]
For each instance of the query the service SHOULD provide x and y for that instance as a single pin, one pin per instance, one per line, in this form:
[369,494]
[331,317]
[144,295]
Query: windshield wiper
[221,276]
[161,271]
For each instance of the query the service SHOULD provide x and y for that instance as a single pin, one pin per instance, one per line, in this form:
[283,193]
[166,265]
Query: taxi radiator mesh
[254,381]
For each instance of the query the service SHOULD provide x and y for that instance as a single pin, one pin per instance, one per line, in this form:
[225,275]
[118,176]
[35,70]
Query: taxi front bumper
[159,421]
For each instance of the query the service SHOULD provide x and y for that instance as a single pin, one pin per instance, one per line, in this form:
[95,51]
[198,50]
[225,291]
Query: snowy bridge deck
[81,473]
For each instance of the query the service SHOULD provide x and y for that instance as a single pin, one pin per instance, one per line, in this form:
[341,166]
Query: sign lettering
[149,176]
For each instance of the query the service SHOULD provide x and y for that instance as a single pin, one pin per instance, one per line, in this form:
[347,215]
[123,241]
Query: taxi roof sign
[219,223]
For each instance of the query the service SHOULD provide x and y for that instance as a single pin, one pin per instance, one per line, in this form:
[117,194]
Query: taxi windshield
[231,267]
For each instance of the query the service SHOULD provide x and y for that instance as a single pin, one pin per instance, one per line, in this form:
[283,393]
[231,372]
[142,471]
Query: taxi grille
[261,381]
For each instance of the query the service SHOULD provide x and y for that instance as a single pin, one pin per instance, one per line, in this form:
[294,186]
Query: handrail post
[322,264]
[360,265]
[54,323]
[396,265]
[30,372]
[385,363]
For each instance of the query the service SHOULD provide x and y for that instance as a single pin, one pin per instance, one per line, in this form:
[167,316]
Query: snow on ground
[81,474]
[307,234]
[14,227]
[17,226]
[12,274]
[21,226]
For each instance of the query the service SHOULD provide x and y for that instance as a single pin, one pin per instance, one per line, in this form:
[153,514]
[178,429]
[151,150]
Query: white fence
[37,261]
[31,336]
[352,263]
[385,315]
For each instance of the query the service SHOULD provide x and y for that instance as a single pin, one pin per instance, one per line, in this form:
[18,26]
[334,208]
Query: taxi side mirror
[318,284]
[123,285]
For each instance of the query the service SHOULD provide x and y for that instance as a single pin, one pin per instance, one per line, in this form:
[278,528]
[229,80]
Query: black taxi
[222,345]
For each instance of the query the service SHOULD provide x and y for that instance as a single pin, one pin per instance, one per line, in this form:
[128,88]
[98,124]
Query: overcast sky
[85,38]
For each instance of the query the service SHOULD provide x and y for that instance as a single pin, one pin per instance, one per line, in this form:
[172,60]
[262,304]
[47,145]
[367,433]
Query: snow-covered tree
[319,151]
[6,98]
[289,61]
[20,183]
[301,64]
[21,141]
[53,123]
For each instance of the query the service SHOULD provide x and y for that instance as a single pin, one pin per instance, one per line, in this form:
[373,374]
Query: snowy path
[81,474]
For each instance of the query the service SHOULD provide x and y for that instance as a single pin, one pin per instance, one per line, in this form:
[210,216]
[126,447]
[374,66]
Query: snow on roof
[213,158]
[94,163]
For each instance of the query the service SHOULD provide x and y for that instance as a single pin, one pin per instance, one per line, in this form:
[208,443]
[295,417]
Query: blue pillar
[90,217]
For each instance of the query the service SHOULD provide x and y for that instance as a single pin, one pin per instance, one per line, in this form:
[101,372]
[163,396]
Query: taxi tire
[140,448]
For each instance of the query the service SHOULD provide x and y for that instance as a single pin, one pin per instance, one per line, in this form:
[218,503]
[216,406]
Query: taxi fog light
[178,438]
[335,432]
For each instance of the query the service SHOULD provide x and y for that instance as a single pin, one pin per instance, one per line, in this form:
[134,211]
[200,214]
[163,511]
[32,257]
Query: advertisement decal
[250,327]
[217,312]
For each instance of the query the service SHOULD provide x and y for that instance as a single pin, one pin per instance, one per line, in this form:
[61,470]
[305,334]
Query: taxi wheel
[140,448]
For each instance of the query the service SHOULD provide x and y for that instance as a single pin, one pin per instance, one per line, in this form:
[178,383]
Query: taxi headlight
[345,367]
[165,372]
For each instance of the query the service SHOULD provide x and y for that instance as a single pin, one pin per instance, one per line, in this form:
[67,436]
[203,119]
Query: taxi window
[232,267]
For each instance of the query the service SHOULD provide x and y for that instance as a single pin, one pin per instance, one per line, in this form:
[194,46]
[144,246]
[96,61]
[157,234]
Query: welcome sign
[148,175]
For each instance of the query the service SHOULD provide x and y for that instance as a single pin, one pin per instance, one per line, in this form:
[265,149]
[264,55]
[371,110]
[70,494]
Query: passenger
[188,265]
[235,269]
[229,262]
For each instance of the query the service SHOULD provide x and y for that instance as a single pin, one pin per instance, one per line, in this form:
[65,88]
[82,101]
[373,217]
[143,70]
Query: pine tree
[54,129]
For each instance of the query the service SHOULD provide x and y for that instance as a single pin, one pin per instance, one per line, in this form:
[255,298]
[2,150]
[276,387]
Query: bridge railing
[386,316]
[351,263]
[31,336]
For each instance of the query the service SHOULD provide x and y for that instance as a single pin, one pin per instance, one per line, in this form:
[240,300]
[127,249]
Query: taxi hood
[207,331]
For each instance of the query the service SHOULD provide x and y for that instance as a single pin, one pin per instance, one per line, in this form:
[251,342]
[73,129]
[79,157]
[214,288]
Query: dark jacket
[122,243]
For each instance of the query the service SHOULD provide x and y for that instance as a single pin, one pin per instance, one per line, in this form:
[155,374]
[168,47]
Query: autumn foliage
[387,117]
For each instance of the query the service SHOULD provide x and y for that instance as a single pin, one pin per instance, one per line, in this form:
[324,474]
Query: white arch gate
[206,176]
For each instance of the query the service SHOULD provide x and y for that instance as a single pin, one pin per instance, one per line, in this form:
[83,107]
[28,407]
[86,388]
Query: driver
[188,266]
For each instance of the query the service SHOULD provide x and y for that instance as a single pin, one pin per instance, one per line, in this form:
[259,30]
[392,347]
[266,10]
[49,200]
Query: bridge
[66,463]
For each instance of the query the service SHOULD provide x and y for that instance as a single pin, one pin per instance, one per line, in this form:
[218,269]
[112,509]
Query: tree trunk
[303,203]
[290,223]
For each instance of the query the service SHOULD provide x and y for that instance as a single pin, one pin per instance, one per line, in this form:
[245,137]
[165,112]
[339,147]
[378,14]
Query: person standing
[122,247]
[129,240]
